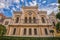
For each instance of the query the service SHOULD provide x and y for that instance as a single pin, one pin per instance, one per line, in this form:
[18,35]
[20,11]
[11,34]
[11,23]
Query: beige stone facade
[30,22]
[2,17]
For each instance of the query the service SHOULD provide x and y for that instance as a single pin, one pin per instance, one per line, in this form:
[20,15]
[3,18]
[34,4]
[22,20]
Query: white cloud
[13,9]
[17,1]
[56,10]
[53,4]
[56,4]
[18,6]
[49,10]
[22,0]
[2,5]
[33,3]
[26,3]
[44,2]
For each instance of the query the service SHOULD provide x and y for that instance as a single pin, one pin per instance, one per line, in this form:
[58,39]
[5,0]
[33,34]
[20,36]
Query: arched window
[35,31]
[54,23]
[30,31]
[25,31]
[6,23]
[1,19]
[17,19]
[43,20]
[46,31]
[30,20]
[34,20]
[26,20]
[14,31]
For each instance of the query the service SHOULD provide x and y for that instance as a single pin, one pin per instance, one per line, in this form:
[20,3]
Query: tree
[58,26]
[2,30]
[59,4]
[52,32]
[58,15]
[59,7]
[58,1]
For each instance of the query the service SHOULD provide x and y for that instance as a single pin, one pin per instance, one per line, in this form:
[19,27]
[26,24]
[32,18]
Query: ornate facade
[31,23]
[2,17]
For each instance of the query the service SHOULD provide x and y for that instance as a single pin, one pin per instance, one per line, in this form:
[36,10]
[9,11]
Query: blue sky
[15,5]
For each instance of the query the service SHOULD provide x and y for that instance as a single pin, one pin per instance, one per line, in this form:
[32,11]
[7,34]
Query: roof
[2,15]
[44,12]
[8,17]
[30,7]
[17,11]
[52,14]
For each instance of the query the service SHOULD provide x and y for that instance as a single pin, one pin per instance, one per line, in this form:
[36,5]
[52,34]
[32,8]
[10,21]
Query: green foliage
[59,7]
[51,31]
[58,26]
[58,15]
[29,38]
[58,1]
[2,30]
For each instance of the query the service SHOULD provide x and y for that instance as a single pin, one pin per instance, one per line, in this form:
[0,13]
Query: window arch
[35,31]
[26,19]
[34,19]
[17,19]
[14,31]
[6,23]
[46,31]
[30,16]
[30,19]
[30,31]
[53,23]
[43,20]
[25,31]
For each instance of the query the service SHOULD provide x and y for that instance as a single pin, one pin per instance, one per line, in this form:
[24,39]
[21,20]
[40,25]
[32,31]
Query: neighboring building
[31,23]
[7,21]
[54,22]
[2,17]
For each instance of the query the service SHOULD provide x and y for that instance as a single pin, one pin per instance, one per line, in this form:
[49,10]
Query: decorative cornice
[30,7]
[29,25]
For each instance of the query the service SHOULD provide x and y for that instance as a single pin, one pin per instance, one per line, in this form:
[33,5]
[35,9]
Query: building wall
[39,25]
[20,31]
[2,18]
[53,18]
